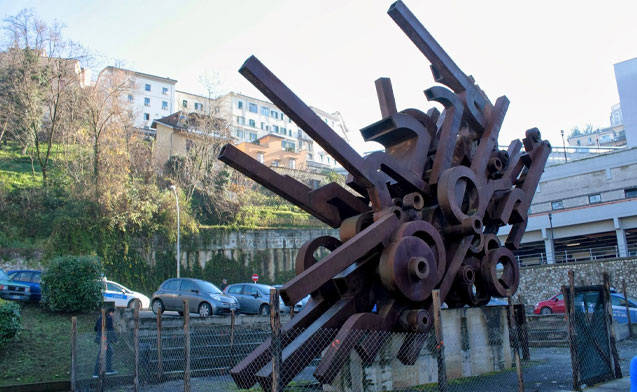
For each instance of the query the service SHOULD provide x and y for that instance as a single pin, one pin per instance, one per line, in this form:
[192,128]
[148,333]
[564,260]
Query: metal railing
[576,255]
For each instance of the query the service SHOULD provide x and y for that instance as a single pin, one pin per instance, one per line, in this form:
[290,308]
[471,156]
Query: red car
[555,304]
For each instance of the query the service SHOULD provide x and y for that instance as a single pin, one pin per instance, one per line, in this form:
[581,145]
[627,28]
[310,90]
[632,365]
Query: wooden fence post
[136,345]
[103,351]
[186,346]
[275,325]
[73,354]
[630,328]
[569,300]
[611,327]
[516,345]
[159,354]
[440,344]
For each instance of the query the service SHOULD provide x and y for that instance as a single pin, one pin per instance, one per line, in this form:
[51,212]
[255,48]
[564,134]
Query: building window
[274,114]
[630,193]
[283,131]
[260,157]
[253,136]
[263,126]
[275,128]
[198,106]
[184,103]
[240,134]
[164,105]
[164,90]
[557,205]
[265,111]
[239,105]
[292,163]
[275,163]
[592,199]
[309,156]
[288,146]
[147,87]
[146,101]
[290,132]
[252,108]
[241,120]
[282,117]
[252,123]
[130,98]
[146,116]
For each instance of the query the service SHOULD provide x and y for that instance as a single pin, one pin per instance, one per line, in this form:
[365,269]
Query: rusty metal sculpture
[426,216]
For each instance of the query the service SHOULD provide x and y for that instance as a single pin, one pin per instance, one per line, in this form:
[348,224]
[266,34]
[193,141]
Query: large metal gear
[425,216]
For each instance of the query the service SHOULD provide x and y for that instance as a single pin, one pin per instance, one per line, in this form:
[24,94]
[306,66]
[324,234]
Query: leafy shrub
[10,320]
[72,284]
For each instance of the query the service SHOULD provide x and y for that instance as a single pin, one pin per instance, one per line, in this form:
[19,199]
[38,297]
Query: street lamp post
[177,203]
[564,145]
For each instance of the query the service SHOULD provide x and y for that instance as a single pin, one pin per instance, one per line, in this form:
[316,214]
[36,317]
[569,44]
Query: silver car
[253,298]
[203,297]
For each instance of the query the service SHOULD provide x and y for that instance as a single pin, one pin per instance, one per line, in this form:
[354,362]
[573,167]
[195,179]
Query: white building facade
[151,97]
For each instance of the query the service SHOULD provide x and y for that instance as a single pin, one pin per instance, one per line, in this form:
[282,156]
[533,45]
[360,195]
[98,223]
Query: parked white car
[123,297]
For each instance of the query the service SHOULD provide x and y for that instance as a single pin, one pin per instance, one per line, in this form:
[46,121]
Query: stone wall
[539,283]
[274,249]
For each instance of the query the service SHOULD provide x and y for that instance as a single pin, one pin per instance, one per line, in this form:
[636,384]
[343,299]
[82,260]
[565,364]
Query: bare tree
[40,76]
[108,122]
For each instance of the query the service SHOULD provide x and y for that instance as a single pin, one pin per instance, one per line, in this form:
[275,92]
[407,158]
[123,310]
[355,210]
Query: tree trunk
[4,129]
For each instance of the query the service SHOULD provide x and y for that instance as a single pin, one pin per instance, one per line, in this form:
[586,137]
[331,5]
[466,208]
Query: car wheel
[546,310]
[157,305]
[131,304]
[264,310]
[205,310]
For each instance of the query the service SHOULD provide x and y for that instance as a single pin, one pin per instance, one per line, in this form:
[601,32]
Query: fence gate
[590,346]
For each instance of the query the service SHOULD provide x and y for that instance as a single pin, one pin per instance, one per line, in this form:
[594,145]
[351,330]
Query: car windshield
[208,287]
[3,275]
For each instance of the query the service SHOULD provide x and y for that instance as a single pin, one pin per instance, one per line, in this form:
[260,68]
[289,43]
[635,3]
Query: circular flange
[408,267]
[428,233]
[499,281]
[458,194]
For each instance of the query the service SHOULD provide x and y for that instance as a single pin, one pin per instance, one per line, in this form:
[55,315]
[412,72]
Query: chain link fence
[470,357]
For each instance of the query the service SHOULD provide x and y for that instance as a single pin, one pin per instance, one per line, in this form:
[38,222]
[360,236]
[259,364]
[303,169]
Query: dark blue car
[30,278]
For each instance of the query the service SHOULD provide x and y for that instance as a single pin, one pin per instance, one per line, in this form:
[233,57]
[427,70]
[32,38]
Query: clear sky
[552,59]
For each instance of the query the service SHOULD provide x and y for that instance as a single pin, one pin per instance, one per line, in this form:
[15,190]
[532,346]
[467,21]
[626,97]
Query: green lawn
[15,169]
[42,350]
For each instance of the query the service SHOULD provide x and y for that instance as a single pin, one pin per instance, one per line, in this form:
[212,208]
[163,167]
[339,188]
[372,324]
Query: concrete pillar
[549,246]
[622,245]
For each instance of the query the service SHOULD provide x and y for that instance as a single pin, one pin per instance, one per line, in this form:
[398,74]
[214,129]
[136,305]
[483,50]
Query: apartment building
[193,103]
[251,119]
[177,133]
[151,97]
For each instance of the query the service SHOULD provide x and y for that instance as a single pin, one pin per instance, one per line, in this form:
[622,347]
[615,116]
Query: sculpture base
[476,341]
